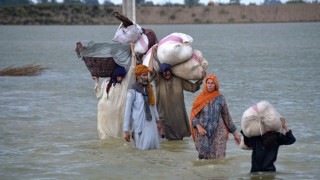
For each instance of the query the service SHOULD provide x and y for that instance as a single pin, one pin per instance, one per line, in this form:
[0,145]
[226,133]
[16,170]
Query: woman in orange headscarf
[210,121]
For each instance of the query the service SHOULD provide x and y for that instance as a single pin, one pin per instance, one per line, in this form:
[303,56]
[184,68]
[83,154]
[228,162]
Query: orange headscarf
[203,99]
[141,69]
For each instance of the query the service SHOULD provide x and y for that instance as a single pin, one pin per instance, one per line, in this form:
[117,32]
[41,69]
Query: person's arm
[153,51]
[225,114]
[196,124]
[127,114]
[153,73]
[190,86]
[246,140]
[193,87]
[288,138]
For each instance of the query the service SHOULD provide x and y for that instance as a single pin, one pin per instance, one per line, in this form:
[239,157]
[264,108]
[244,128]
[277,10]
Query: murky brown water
[48,122]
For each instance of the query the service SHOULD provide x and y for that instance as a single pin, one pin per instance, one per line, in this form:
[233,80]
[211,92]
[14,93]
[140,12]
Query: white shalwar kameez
[111,107]
[145,132]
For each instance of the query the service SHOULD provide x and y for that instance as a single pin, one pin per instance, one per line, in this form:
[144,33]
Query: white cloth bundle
[175,48]
[260,118]
[128,34]
[193,68]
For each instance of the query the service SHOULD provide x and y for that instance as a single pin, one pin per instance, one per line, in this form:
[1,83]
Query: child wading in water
[265,148]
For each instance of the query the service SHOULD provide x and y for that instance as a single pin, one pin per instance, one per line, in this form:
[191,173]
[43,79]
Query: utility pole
[129,9]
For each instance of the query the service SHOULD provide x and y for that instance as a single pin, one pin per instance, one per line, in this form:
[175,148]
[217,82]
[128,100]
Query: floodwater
[48,122]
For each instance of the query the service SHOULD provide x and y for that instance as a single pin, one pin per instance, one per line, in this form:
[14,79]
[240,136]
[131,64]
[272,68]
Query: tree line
[138,2]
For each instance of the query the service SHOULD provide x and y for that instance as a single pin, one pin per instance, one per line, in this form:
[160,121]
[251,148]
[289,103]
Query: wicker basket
[100,67]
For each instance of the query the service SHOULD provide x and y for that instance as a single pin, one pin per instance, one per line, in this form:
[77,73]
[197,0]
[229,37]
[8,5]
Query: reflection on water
[48,122]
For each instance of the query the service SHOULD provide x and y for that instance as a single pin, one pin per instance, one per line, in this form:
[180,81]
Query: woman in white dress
[112,94]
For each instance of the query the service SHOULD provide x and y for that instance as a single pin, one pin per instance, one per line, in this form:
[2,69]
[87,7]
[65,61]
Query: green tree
[139,2]
[295,2]
[15,2]
[191,2]
[71,1]
[91,2]
[108,2]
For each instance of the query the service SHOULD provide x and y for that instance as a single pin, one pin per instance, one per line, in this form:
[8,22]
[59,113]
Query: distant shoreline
[61,14]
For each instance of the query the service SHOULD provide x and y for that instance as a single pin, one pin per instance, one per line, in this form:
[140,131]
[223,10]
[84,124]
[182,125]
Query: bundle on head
[259,119]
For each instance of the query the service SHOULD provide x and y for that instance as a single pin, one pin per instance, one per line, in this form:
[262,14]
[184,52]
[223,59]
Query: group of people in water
[147,116]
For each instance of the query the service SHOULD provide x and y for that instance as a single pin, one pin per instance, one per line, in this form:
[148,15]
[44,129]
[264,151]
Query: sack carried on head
[193,68]
[259,119]
[175,48]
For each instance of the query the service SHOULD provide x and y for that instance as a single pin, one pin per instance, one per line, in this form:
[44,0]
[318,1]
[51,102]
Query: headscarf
[118,71]
[165,67]
[204,98]
[141,69]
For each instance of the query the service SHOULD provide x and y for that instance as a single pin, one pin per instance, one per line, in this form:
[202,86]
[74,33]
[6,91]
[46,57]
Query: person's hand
[201,130]
[154,48]
[127,136]
[236,138]
[159,127]
[283,122]
[95,79]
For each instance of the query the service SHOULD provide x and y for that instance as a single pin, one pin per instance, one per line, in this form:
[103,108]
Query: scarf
[140,89]
[118,71]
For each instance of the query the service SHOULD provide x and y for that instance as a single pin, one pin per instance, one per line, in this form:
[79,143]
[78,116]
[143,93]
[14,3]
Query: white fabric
[260,118]
[128,34]
[146,60]
[193,68]
[141,45]
[145,132]
[111,109]
[173,50]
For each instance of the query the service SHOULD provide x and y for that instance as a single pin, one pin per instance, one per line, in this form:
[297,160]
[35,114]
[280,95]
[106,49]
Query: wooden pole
[129,9]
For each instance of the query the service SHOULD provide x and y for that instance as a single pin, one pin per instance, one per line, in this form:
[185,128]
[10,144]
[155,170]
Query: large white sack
[175,48]
[193,68]
[260,118]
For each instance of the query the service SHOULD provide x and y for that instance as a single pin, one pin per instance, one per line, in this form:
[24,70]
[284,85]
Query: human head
[119,73]
[141,74]
[211,83]
[165,70]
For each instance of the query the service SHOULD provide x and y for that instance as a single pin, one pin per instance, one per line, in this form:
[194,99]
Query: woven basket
[100,67]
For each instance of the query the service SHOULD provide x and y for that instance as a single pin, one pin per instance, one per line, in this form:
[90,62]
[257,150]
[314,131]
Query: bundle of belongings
[102,58]
[175,49]
[259,119]
[108,60]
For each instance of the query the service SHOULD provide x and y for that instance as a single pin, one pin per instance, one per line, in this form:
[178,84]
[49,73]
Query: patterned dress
[216,120]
